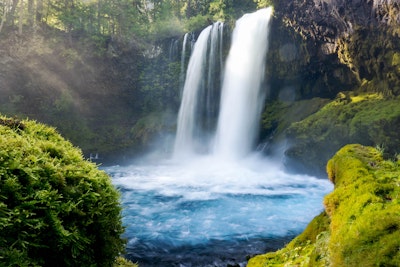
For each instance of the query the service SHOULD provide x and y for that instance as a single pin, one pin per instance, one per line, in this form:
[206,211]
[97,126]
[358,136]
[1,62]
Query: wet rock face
[360,35]
[327,20]
[340,45]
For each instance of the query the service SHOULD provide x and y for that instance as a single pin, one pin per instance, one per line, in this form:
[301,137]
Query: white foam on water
[207,199]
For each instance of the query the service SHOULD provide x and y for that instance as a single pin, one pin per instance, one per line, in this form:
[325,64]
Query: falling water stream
[215,202]
[242,96]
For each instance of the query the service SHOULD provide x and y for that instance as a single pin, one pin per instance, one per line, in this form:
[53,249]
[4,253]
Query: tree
[6,5]
[21,16]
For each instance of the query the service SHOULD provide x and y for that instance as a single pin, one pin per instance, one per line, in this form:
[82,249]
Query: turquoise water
[208,212]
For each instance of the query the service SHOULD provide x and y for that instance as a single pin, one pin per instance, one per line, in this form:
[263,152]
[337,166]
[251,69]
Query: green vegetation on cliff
[369,119]
[361,224]
[56,209]
[373,56]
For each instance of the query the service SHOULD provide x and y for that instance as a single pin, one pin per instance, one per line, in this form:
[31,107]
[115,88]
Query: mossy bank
[361,222]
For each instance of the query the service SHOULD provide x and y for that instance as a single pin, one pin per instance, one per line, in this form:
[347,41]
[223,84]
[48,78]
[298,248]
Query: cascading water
[199,99]
[183,55]
[211,94]
[185,142]
[242,96]
[201,209]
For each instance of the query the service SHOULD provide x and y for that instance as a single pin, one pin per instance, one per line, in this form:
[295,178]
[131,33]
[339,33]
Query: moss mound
[56,209]
[361,224]
[368,119]
[364,208]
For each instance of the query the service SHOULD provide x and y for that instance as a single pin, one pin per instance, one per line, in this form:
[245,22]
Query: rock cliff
[339,47]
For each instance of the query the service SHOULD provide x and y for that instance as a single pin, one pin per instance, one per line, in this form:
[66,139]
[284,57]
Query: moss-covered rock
[279,115]
[361,224]
[308,249]
[56,209]
[369,119]
[364,208]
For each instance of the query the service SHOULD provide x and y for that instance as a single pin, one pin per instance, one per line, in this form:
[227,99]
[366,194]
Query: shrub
[56,209]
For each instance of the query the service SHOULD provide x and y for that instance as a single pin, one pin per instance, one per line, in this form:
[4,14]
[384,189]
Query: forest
[124,19]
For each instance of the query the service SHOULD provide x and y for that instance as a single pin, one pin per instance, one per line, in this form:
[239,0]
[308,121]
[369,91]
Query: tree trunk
[4,17]
[21,16]
[39,11]
[12,12]
[99,16]
[189,9]
[31,12]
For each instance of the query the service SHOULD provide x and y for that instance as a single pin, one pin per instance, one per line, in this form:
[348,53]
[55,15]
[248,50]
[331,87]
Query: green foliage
[166,28]
[361,225]
[263,3]
[124,19]
[230,10]
[196,22]
[122,262]
[221,9]
[56,209]
[159,85]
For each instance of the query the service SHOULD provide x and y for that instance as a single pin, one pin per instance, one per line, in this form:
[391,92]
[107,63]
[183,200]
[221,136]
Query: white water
[212,93]
[200,97]
[175,213]
[242,96]
[185,141]
[183,55]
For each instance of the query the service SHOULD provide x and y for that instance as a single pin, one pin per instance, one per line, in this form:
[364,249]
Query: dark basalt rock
[339,46]
[327,20]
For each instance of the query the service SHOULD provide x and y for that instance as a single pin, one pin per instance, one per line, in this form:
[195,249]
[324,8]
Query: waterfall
[185,141]
[173,49]
[211,92]
[242,96]
[198,104]
[224,119]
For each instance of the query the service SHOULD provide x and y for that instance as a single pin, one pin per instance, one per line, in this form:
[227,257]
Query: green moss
[122,262]
[396,59]
[56,209]
[363,227]
[278,115]
[369,119]
[308,249]
[366,215]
